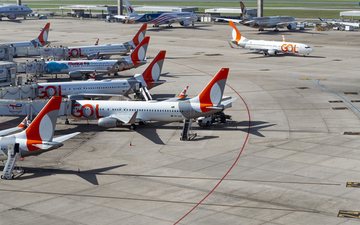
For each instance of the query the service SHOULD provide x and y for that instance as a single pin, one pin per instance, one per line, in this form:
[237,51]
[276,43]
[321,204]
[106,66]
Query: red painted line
[231,167]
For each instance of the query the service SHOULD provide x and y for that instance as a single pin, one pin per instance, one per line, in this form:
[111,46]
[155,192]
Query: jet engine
[76,75]
[11,17]
[185,23]
[292,26]
[108,122]
[272,52]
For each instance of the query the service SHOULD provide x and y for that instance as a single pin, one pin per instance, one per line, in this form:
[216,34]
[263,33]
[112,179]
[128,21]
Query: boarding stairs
[13,155]
[145,93]
[186,134]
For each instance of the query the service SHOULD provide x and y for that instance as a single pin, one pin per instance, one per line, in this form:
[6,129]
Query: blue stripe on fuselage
[148,17]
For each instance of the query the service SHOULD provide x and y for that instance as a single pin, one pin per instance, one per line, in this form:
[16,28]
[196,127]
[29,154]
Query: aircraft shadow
[261,56]
[88,175]
[149,130]
[255,127]
[167,74]
[11,21]
[80,127]
[11,123]
[163,96]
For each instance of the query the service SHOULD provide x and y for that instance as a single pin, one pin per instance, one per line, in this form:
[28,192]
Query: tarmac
[284,158]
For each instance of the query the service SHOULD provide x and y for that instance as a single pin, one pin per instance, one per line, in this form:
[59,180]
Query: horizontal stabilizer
[227,101]
[48,145]
[63,138]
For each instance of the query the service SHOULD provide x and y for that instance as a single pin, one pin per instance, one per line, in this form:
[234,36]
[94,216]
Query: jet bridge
[19,92]
[30,108]
[6,53]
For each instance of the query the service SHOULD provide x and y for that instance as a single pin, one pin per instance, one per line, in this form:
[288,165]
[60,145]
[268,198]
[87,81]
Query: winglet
[212,94]
[236,35]
[139,53]
[24,124]
[139,36]
[183,94]
[42,39]
[43,126]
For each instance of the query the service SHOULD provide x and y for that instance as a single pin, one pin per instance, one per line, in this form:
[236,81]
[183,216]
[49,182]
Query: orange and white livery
[83,68]
[38,137]
[27,48]
[269,47]
[107,50]
[114,113]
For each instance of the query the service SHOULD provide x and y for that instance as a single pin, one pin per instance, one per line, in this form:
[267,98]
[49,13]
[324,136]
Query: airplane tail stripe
[139,36]
[153,71]
[43,36]
[43,126]
[212,94]
[235,33]
[139,53]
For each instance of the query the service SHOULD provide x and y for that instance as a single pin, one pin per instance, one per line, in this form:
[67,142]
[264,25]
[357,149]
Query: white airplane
[264,22]
[97,50]
[160,18]
[268,47]
[140,83]
[113,113]
[83,68]
[37,138]
[24,48]
[341,24]
[14,11]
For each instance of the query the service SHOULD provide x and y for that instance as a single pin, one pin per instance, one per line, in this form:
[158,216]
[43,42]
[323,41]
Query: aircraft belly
[159,116]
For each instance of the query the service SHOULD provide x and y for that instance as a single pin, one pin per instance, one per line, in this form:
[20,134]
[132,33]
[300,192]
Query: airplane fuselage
[184,18]
[65,67]
[274,47]
[146,111]
[115,87]
[86,51]
[14,11]
[272,21]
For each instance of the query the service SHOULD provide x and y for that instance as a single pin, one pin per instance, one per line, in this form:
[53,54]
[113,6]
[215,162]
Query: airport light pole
[260,8]
[120,7]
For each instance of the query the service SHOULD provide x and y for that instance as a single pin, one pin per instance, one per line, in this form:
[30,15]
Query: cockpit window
[307,47]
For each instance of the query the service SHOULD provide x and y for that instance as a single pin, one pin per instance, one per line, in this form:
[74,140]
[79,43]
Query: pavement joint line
[156,200]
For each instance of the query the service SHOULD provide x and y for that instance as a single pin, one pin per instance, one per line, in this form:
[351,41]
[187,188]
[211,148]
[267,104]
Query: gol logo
[49,91]
[86,110]
[289,48]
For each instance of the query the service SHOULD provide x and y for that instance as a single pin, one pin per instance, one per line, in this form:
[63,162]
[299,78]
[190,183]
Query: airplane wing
[56,142]
[104,55]
[22,125]
[283,24]
[9,131]
[126,118]
[228,20]
[94,95]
